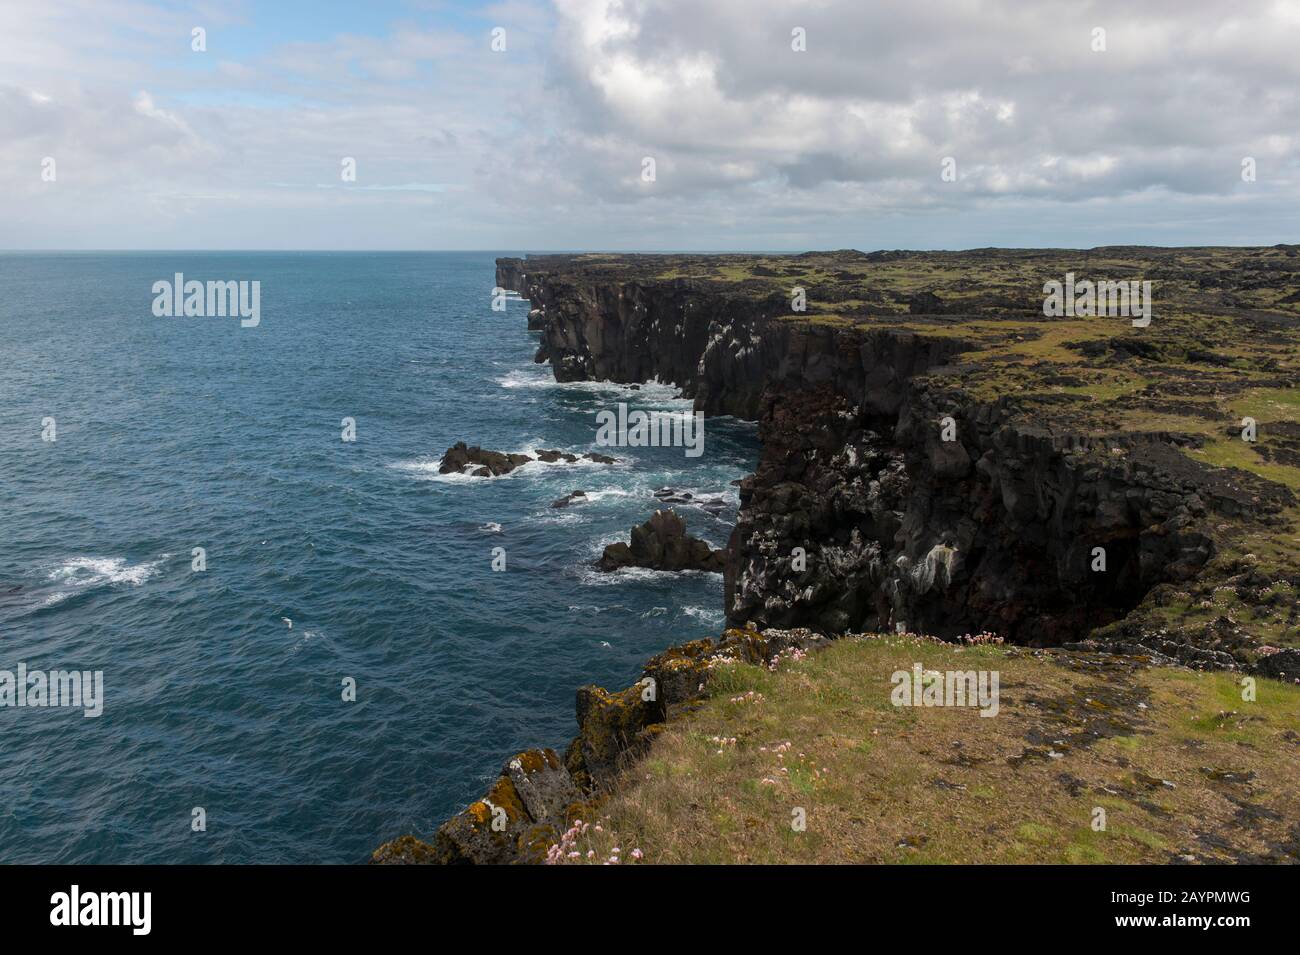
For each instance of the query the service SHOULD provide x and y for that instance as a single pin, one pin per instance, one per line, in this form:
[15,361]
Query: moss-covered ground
[1089,759]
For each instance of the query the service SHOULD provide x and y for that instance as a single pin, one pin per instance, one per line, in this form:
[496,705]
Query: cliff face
[890,492]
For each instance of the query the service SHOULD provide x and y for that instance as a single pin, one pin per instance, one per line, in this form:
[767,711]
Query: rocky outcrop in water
[661,543]
[477,462]
[481,463]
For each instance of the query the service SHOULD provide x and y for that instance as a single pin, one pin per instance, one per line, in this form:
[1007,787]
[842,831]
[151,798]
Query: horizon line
[617,251]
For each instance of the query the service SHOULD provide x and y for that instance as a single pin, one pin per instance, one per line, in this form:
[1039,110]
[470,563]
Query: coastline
[991,531]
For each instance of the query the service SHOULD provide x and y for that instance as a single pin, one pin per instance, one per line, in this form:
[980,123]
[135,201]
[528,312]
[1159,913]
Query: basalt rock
[661,543]
[405,850]
[475,461]
[612,728]
[852,524]
[514,822]
[1280,664]
[483,463]
[543,785]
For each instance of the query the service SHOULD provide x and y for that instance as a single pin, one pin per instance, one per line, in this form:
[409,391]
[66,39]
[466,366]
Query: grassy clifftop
[1182,767]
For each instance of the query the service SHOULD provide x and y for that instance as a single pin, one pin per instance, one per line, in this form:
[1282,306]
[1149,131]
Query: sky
[535,125]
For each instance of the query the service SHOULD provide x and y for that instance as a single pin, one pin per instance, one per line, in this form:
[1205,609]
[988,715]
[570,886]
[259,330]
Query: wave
[647,392]
[705,615]
[79,574]
[524,379]
[606,493]
[625,575]
[559,515]
[426,469]
[306,638]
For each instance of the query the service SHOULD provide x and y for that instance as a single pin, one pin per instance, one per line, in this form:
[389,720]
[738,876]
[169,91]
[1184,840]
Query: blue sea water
[176,433]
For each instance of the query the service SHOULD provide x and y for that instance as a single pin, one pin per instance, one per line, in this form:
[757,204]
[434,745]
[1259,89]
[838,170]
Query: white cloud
[756,145]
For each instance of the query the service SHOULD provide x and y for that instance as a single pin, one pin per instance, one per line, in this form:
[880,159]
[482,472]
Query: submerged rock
[550,457]
[668,495]
[714,504]
[569,499]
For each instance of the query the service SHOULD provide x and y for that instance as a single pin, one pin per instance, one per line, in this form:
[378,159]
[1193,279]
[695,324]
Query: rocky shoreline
[898,490]
[539,794]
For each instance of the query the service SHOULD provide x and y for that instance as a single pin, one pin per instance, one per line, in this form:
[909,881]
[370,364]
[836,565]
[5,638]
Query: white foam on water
[426,469]
[628,575]
[79,574]
[653,392]
[559,515]
[604,494]
[307,637]
[561,463]
[525,379]
[705,615]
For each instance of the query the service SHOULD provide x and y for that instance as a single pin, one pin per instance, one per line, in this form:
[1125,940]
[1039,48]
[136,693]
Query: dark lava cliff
[915,472]
[941,457]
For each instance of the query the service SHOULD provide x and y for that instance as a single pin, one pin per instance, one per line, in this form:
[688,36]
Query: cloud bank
[770,125]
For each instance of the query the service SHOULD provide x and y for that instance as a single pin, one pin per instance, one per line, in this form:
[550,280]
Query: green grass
[913,785]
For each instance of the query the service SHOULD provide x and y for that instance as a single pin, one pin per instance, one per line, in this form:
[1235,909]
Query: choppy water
[176,433]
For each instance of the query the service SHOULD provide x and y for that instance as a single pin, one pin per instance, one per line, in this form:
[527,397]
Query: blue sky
[114,133]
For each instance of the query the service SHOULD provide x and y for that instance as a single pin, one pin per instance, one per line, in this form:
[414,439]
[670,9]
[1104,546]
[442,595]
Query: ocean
[327,561]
